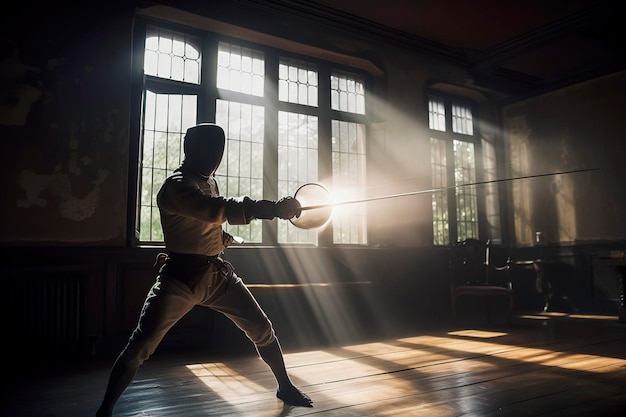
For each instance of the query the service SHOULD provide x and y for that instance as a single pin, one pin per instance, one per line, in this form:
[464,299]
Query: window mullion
[450,167]
[209,95]
[270,149]
[325,238]
[136,130]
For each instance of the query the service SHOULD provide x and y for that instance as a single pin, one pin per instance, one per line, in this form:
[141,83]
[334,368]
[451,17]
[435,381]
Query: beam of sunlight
[367,383]
[374,348]
[534,317]
[362,374]
[309,284]
[545,357]
[520,155]
[548,315]
[554,314]
[483,334]
[224,381]
[490,173]
[591,317]
[564,187]
[332,306]
[391,353]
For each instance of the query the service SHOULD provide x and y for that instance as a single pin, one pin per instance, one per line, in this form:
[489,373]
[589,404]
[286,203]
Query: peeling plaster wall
[64,123]
[581,127]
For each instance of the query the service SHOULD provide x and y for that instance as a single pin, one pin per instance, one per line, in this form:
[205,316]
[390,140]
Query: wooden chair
[474,274]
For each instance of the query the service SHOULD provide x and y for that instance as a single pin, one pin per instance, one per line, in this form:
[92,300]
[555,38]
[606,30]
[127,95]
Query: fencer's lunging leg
[121,375]
[272,355]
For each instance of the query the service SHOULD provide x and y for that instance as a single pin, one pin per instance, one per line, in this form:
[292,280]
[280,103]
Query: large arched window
[289,120]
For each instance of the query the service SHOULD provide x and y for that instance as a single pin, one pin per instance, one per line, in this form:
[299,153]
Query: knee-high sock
[121,375]
[272,355]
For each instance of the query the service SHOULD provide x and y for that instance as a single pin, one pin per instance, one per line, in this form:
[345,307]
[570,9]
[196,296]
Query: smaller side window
[453,167]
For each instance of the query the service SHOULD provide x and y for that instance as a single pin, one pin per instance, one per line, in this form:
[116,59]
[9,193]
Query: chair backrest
[470,262]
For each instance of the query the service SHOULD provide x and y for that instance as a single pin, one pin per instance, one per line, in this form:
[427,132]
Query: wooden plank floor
[542,366]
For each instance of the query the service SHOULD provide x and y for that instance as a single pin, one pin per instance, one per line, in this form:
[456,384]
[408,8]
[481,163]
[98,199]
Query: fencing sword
[434,190]
[317,193]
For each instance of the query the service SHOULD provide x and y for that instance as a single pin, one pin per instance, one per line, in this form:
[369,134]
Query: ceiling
[513,47]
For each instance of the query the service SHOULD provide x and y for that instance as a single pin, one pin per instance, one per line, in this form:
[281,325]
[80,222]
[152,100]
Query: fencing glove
[285,208]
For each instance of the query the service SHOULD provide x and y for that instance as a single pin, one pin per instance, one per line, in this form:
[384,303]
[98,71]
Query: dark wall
[580,127]
[64,123]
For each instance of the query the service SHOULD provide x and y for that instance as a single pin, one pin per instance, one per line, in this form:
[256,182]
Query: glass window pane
[161,151]
[436,114]
[440,198]
[297,82]
[240,69]
[172,55]
[241,170]
[462,119]
[349,180]
[466,197]
[297,165]
[347,92]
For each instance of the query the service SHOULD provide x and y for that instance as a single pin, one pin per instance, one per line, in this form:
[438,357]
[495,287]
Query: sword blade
[434,190]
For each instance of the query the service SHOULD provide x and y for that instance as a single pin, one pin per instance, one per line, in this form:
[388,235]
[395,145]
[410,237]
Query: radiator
[46,309]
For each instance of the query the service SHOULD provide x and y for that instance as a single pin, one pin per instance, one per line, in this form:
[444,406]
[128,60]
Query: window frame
[449,136]
[208,94]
